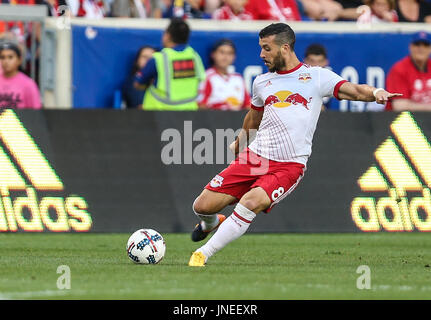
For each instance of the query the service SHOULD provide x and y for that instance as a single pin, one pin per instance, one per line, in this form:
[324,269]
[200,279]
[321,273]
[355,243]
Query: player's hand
[383,96]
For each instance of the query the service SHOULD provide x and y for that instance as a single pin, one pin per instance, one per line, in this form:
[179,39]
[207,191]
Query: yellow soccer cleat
[197,259]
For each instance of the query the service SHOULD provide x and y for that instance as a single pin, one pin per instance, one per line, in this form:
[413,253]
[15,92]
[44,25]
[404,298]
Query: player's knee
[255,200]
[200,206]
[251,204]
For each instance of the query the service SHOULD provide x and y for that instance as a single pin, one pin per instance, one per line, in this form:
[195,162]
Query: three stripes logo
[402,175]
[25,174]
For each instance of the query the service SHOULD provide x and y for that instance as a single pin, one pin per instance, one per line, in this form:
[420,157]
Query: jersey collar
[291,70]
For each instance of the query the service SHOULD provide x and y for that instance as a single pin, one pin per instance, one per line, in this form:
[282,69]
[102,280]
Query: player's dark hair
[179,31]
[218,44]
[316,49]
[283,34]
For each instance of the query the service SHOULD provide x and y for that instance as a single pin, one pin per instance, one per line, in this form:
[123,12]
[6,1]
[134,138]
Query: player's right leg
[207,206]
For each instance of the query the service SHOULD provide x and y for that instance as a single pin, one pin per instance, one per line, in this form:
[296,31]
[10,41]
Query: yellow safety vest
[178,76]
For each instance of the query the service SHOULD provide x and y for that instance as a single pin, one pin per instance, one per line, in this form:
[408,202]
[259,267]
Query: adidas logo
[403,173]
[24,174]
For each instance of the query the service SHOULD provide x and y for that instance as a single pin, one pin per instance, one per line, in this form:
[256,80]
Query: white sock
[231,229]
[208,221]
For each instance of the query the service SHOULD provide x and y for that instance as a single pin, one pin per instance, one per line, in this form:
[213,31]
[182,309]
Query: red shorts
[250,170]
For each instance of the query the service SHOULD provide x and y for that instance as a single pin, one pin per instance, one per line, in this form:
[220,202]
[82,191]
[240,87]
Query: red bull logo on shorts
[283,99]
[217,181]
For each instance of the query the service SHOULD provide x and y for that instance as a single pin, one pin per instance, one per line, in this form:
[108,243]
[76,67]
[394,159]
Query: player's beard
[278,64]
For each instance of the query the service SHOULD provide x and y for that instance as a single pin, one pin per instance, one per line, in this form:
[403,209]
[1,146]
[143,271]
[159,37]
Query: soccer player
[286,104]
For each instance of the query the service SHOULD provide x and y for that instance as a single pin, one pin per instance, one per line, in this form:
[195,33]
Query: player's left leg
[206,206]
[253,202]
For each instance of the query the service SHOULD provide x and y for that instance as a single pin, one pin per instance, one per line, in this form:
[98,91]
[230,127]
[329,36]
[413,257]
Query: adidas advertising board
[25,174]
[403,166]
[102,171]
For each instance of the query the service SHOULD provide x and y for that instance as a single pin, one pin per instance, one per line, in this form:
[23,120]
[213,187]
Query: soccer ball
[146,246]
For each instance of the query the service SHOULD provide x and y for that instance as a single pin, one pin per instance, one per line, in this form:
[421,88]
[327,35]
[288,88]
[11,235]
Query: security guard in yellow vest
[172,76]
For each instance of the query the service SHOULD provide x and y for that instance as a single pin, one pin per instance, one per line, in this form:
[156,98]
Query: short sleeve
[329,83]
[256,101]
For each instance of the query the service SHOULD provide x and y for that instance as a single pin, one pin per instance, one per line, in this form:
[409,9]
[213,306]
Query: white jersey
[292,102]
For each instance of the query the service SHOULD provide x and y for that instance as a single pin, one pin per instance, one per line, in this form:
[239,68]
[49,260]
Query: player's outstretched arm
[364,92]
[251,122]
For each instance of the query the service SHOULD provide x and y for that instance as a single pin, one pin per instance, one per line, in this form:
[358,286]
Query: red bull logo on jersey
[304,77]
[283,99]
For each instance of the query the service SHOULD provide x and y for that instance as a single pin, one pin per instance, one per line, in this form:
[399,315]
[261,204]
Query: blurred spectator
[350,10]
[133,97]
[186,9]
[233,10]
[174,74]
[55,8]
[376,11]
[8,35]
[16,89]
[91,9]
[223,90]
[413,11]
[212,5]
[21,32]
[316,55]
[411,76]
[13,30]
[281,10]
[322,9]
[136,9]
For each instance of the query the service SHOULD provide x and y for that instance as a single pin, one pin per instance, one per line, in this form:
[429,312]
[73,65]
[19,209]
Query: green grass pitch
[256,266]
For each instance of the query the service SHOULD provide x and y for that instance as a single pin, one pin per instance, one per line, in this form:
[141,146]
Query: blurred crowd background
[15,37]
[283,10]
[374,11]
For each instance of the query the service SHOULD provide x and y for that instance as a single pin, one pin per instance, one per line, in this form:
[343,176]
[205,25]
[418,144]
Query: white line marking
[34,294]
